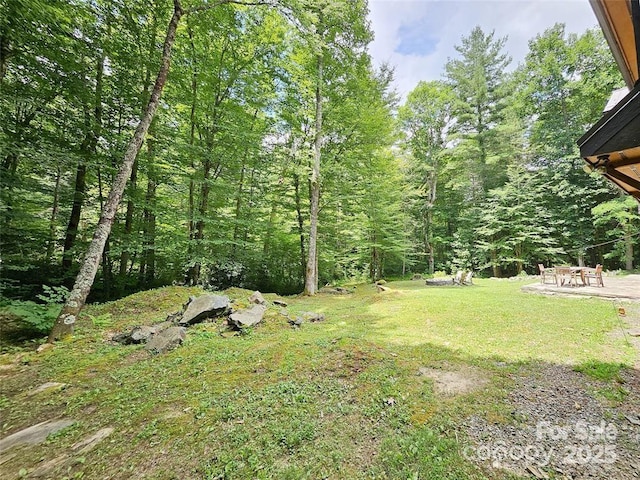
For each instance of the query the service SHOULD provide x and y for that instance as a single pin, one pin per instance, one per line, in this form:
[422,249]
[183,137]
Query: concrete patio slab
[623,287]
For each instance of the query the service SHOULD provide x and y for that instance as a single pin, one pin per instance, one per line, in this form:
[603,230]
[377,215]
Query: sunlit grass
[336,399]
[489,319]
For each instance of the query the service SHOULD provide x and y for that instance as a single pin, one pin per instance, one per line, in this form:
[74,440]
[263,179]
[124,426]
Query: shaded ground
[565,426]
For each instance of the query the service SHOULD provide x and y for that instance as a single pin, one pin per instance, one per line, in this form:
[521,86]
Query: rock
[257,298]
[381,289]
[44,347]
[122,338]
[248,317]
[296,322]
[438,281]
[174,318]
[35,434]
[634,333]
[335,290]
[280,303]
[166,340]
[381,282]
[140,334]
[311,317]
[633,419]
[81,448]
[203,307]
[86,445]
[47,387]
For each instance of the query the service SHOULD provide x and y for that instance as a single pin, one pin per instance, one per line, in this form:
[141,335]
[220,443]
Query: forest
[280,157]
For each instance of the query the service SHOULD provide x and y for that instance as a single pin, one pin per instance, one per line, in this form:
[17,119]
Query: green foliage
[487,177]
[101,321]
[32,315]
[53,294]
[38,317]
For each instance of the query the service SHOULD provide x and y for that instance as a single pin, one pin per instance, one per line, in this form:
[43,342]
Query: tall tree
[425,119]
[78,296]
[341,37]
[478,82]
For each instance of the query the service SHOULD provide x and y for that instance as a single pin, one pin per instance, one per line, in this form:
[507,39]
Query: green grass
[337,399]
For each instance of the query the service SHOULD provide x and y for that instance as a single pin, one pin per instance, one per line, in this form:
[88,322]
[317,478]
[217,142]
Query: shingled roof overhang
[612,146]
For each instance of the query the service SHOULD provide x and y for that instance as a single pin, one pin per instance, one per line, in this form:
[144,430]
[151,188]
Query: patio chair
[566,273]
[547,272]
[594,273]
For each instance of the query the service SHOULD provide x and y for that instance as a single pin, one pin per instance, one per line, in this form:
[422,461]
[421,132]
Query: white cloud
[445,22]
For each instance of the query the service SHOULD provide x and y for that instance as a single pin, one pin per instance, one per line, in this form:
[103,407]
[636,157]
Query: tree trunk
[303,255]
[192,137]
[128,221]
[89,146]
[311,280]
[148,263]
[69,313]
[74,218]
[147,272]
[236,226]
[106,265]
[628,243]
[54,215]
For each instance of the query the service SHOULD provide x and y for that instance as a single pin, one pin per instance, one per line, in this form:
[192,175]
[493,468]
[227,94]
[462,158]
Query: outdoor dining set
[570,276]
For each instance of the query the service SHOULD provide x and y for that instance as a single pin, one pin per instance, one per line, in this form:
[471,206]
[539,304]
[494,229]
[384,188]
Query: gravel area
[562,428]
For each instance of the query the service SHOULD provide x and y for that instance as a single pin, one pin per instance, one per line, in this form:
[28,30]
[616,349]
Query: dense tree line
[278,157]
[496,177]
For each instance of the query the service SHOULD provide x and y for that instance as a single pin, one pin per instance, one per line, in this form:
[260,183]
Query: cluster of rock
[167,335]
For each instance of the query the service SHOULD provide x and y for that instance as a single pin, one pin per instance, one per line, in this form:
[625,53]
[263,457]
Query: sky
[418,36]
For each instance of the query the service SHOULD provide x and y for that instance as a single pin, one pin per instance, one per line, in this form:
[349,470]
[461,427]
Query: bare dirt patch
[455,382]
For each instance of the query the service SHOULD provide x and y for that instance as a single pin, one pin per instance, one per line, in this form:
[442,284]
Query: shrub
[38,317]
[34,316]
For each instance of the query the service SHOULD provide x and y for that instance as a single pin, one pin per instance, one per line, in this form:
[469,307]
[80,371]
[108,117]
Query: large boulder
[166,340]
[203,307]
[248,317]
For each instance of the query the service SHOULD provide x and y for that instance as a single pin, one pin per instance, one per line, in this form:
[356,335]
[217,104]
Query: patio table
[570,273]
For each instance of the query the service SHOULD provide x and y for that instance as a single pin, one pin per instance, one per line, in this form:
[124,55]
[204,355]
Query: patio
[624,287]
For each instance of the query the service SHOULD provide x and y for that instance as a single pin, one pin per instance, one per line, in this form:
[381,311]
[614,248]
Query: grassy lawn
[337,399]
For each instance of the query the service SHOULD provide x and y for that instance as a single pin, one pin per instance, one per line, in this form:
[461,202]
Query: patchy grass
[605,371]
[338,399]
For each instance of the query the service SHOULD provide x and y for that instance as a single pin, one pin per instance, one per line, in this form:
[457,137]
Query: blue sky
[417,37]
